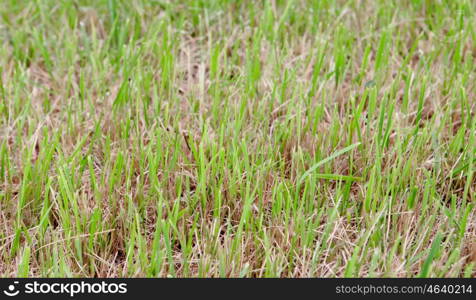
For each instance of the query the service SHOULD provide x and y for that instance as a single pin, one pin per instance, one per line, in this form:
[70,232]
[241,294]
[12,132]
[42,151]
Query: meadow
[239,138]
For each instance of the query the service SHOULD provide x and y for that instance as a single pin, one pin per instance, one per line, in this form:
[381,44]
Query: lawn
[237,138]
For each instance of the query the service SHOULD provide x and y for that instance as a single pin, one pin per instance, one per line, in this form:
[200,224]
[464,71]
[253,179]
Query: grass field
[237,138]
